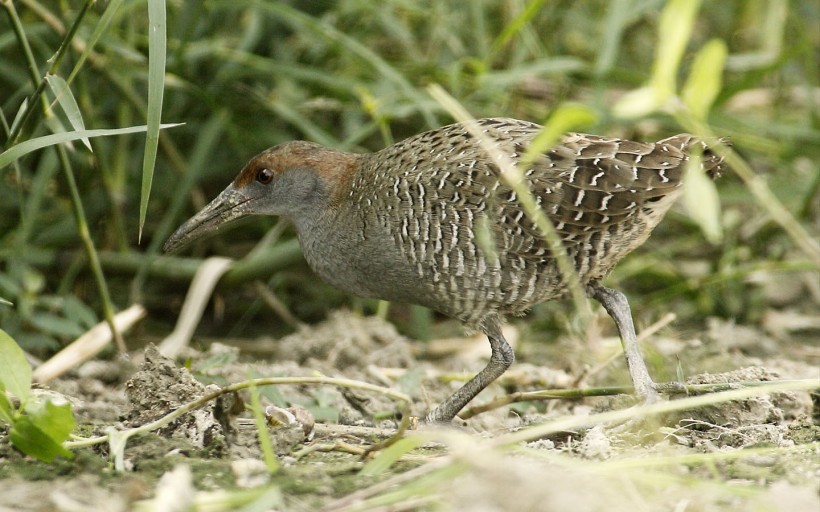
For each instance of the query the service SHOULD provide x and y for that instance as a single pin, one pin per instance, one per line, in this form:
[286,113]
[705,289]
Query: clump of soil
[160,387]
[754,421]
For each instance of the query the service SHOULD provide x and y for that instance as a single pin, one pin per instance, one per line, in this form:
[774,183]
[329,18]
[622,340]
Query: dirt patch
[217,445]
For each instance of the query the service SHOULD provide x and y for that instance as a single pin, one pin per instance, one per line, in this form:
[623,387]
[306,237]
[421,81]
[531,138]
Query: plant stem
[91,251]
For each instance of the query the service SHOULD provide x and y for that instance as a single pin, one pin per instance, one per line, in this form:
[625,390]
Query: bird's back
[438,201]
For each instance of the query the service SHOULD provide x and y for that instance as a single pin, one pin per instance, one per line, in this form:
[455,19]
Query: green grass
[243,76]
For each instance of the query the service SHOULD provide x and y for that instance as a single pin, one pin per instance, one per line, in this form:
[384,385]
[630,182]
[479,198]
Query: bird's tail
[712,163]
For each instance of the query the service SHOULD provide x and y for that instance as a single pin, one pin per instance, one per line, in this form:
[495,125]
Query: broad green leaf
[16,372]
[156,85]
[216,361]
[620,13]
[701,199]
[705,79]
[69,105]
[26,147]
[10,286]
[31,440]
[264,498]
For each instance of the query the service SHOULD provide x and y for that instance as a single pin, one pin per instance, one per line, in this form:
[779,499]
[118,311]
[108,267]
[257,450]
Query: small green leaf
[565,118]
[69,105]
[275,396]
[10,286]
[16,373]
[701,199]
[393,453]
[216,361]
[705,79]
[56,421]
[31,440]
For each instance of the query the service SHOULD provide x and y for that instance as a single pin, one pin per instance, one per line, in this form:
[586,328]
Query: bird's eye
[264,176]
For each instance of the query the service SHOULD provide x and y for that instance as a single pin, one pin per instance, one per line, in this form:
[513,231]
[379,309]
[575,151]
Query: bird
[430,220]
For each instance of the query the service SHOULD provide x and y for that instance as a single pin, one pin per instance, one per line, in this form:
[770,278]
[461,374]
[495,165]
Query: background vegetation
[245,75]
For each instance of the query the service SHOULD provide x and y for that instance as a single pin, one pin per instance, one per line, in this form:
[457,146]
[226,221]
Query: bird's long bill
[230,205]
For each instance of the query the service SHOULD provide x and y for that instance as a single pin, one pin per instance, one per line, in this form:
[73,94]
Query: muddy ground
[761,453]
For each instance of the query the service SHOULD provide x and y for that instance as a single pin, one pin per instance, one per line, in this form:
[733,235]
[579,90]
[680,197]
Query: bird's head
[298,180]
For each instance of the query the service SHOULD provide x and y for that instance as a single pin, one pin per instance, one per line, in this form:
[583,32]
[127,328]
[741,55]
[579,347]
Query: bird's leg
[501,359]
[615,303]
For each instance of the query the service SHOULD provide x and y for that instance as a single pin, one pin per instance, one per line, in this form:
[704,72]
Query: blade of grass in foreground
[68,103]
[512,175]
[24,148]
[156,84]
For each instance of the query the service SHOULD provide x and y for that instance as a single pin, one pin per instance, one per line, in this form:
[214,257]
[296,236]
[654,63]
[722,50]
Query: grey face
[264,187]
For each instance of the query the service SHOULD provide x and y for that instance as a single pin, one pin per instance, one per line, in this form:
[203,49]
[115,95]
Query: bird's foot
[441,415]
[647,393]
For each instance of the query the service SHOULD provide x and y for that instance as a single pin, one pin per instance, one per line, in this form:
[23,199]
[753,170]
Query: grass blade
[26,147]
[705,79]
[676,24]
[156,84]
[69,105]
